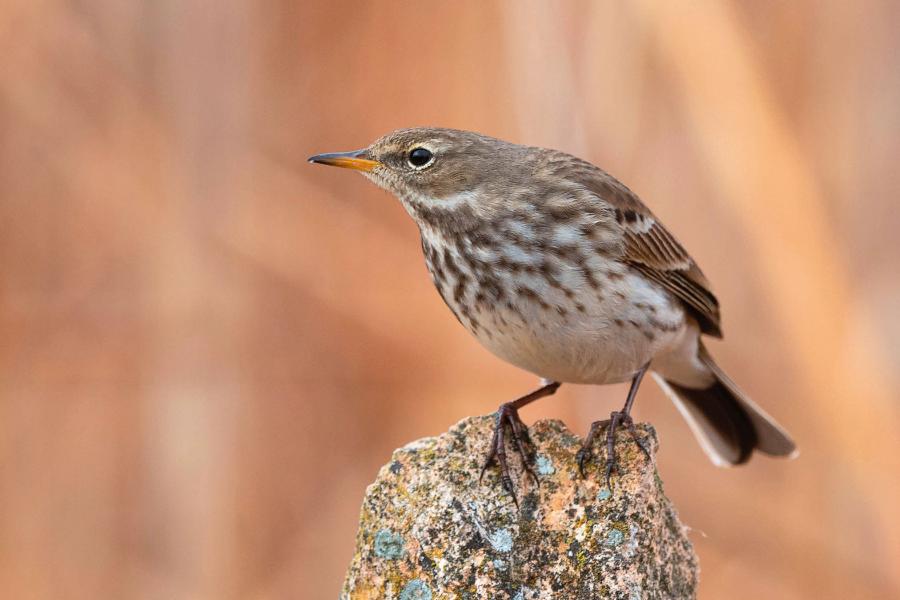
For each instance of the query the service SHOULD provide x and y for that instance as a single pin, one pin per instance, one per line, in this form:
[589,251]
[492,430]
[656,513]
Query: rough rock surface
[429,531]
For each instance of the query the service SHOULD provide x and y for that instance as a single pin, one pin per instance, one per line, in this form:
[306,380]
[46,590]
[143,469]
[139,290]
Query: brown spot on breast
[603,250]
[492,288]
[667,327]
[481,239]
[450,264]
[570,253]
[648,308]
[467,314]
[437,272]
[475,264]
[513,236]
[589,278]
[548,271]
[529,294]
[459,291]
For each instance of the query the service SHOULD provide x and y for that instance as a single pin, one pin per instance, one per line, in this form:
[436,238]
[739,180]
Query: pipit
[558,268]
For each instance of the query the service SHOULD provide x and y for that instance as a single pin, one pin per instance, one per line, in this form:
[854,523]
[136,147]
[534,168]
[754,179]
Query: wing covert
[655,252]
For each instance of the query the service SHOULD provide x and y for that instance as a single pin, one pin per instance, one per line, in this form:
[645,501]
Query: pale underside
[592,321]
[607,343]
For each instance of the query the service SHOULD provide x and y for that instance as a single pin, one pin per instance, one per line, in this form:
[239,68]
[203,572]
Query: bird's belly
[607,341]
[575,316]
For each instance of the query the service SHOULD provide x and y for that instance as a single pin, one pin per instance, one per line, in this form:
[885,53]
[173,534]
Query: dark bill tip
[347,160]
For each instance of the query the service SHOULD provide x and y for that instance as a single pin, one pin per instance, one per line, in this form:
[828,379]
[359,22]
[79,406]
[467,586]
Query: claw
[610,465]
[637,439]
[615,419]
[585,454]
[508,416]
[491,458]
[524,446]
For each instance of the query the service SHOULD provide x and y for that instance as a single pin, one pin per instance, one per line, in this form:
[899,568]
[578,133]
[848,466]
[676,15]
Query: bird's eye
[419,157]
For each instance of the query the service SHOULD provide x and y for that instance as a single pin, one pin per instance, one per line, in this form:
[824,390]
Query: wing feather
[648,245]
[652,250]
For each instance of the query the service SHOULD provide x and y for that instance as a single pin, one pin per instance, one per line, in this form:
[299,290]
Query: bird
[558,268]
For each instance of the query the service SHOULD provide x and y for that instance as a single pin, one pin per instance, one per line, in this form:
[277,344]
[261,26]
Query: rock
[429,531]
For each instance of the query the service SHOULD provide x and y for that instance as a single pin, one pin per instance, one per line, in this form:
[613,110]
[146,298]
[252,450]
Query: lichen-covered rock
[429,531]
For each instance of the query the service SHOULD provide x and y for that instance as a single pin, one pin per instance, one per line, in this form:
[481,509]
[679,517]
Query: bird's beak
[358,159]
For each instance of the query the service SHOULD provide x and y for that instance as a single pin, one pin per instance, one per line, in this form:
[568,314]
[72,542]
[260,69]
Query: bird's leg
[621,417]
[507,415]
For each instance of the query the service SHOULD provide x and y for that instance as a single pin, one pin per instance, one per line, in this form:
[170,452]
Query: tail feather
[728,425]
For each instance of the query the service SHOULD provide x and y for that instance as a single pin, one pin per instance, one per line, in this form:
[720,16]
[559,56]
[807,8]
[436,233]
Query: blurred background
[208,347]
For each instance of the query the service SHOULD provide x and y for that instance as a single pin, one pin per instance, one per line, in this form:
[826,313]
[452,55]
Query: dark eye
[419,157]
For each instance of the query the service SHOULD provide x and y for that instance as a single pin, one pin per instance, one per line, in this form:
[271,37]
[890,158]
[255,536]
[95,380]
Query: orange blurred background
[208,346]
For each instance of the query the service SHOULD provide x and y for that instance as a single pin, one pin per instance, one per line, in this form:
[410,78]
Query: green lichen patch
[389,545]
[416,590]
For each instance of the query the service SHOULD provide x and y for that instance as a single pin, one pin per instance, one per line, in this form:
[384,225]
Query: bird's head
[444,177]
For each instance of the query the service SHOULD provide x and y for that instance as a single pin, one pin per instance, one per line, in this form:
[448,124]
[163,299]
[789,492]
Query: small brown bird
[558,268]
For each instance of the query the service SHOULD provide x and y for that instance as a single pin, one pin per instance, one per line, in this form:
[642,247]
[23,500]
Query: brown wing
[655,252]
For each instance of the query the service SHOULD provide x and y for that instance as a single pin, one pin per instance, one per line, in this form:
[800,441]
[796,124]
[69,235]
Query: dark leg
[508,416]
[622,417]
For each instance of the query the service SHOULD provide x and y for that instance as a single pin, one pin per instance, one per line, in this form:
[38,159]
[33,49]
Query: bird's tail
[728,425]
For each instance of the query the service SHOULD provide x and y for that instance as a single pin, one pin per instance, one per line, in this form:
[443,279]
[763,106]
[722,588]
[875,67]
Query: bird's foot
[507,418]
[585,454]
